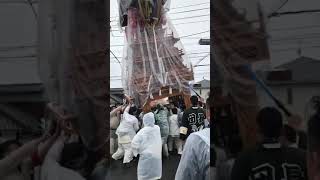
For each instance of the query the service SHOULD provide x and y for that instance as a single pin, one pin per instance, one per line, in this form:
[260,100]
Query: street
[169,167]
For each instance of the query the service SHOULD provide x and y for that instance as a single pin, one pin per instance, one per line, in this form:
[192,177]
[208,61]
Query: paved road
[169,167]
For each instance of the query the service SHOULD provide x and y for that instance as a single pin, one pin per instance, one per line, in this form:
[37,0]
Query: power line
[17,57]
[18,2]
[199,53]
[117,45]
[188,11]
[294,39]
[303,36]
[281,6]
[195,34]
[17,47]
[202,59]
[33,10]
[183,18]
[193,22]
[185,54]
[120,45]
[295,28]
[179,7]
[288,49]
[278,14]
[175,24]
[201,65]
[191,17]
[115,57]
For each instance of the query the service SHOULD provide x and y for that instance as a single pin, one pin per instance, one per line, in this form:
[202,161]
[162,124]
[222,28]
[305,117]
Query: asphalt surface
[118,171]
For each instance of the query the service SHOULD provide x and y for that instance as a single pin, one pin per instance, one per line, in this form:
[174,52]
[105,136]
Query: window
[289,96]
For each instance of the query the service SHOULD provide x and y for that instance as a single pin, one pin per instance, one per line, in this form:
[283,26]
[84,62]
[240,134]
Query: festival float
[154,64]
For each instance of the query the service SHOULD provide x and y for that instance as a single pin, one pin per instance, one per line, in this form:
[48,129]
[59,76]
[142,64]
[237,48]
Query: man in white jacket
[195,159]
[148,144]
[127,129]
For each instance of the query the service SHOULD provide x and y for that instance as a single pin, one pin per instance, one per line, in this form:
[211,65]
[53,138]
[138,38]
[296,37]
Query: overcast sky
[288,33]
[19,28]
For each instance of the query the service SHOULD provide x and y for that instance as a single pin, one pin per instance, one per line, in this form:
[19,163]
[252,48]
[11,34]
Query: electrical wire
[195,34]
[191,17]
[33,10]
[17,57]
[175,24]
[278,14]
[281,6]
[188,11]
[115,57]
[182,18]
[178,7]
[120,45]
[18,2]
[201,65]
[202,59]
[193,22]
[288,49]
[295,28]
[185,54]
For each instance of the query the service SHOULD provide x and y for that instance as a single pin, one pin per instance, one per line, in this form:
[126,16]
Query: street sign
[204,42]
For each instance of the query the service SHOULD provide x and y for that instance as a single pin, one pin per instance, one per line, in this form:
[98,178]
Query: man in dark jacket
[192,119]
[268,160]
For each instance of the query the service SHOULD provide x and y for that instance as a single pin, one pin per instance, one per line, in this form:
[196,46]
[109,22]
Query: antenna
[299,51]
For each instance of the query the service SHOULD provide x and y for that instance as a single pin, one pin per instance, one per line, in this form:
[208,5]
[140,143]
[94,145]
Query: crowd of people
[57,154]
[283,152]
[152,136]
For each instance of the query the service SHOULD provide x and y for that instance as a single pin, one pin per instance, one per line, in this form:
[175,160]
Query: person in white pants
[114,124]
[126,131]
[174,132]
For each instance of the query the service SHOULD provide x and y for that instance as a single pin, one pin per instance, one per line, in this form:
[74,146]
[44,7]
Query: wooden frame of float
[165,93]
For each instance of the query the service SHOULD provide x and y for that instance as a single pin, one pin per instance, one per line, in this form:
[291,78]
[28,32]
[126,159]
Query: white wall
[301,95]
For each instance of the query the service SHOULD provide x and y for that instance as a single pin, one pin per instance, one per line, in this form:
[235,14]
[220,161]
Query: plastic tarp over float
[240,40]
[154,61]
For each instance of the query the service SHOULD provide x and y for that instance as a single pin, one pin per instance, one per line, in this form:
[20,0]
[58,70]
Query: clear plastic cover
[154,57]
[240,41]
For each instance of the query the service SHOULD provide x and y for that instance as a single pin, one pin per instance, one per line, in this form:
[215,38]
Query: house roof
[303,69]
[116,91]
[115,98]
[7,123]
[116,94]
[12,118]
[202,84]
[22,93]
